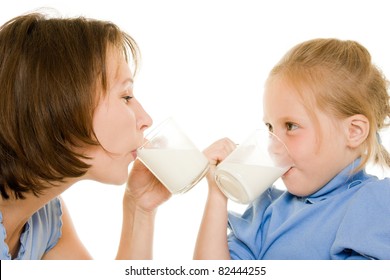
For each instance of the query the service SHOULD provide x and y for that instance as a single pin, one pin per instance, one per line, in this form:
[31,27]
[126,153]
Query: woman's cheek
[114,129]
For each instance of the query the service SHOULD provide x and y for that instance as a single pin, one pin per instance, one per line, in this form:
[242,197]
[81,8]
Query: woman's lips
[134,154]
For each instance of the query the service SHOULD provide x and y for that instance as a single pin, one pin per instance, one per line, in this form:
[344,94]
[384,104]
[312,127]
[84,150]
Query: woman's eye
[291,126]
[269,126]
[127,98]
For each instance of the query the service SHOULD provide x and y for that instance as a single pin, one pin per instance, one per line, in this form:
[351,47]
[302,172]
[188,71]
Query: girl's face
[119,122]
[318,148]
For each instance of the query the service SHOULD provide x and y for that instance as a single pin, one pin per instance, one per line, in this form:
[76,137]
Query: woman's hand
[144,189]
[143,194]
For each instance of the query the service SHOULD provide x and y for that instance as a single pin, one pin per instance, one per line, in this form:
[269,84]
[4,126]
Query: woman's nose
[144,120]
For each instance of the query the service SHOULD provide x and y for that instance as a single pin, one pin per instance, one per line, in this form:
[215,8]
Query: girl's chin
[295,188]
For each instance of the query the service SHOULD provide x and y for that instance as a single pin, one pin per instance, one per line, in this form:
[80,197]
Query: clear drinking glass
[253,166]
[172,157]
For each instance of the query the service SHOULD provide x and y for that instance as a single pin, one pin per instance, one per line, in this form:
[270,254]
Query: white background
[204,63]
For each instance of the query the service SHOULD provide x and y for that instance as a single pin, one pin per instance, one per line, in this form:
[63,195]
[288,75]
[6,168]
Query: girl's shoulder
[371,194]
[376,189]
[365,226]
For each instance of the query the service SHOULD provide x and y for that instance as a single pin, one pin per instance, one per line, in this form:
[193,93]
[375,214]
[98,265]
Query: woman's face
[119,122]
[318,148]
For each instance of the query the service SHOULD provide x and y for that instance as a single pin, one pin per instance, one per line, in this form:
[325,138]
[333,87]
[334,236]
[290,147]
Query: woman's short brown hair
[50,71]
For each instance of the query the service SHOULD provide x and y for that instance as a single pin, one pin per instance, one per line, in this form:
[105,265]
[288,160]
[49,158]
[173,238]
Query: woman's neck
[16,212]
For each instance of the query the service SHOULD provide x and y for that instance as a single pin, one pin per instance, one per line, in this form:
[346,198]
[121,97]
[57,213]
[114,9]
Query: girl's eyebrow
[286,118]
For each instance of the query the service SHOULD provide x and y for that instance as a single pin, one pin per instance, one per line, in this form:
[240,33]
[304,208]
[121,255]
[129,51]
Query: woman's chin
[120,180]
[113,179]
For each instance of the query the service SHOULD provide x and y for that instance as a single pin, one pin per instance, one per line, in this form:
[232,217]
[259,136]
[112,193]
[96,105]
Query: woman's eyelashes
[127,98]
[127,95]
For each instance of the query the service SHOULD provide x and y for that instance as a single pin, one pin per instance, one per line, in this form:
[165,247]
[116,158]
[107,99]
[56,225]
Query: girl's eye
[291,126]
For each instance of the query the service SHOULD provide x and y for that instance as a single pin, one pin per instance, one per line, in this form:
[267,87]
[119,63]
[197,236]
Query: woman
[68,113]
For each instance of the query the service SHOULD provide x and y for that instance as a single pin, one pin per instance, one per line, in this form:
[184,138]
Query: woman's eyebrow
[128,81]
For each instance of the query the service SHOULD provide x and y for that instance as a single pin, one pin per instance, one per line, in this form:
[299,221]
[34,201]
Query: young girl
[68,113]
[327,101]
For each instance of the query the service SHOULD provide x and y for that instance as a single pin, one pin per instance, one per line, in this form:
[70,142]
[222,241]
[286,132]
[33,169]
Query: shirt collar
[343,181]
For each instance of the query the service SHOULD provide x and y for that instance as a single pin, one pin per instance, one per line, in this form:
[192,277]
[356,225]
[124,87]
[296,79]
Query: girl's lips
[287,172]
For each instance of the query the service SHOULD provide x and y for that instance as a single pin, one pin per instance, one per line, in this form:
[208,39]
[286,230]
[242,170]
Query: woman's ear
[357,128]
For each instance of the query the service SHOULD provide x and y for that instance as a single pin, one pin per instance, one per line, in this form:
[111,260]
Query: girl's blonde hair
[339,78]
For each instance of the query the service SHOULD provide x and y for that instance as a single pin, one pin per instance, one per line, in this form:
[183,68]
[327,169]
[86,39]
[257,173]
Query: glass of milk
[253,167]
[172,157]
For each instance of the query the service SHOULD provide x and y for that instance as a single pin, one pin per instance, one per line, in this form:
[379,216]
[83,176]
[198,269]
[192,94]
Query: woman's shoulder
[41,232]
[50,214]
[46,224]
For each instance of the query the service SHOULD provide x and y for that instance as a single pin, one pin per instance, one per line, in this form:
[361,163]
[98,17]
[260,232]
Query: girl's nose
[275,146]
[278,152]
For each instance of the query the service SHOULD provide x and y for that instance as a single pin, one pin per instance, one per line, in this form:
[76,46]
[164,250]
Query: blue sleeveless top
[41,233]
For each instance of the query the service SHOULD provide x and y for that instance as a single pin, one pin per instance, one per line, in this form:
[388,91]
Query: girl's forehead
[291,90]
[284,101]
[279,91]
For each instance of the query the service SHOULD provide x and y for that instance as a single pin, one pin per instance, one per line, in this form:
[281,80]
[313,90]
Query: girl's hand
[216,153]
[212,238]
[144,189]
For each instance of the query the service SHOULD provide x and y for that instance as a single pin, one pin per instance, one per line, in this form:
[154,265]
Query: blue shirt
[349,218]
[41,233]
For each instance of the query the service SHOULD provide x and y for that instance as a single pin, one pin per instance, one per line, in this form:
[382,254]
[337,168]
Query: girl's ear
[357,128]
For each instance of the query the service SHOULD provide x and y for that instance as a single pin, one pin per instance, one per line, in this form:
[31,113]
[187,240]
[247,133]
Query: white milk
[178,170]
[243,182]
